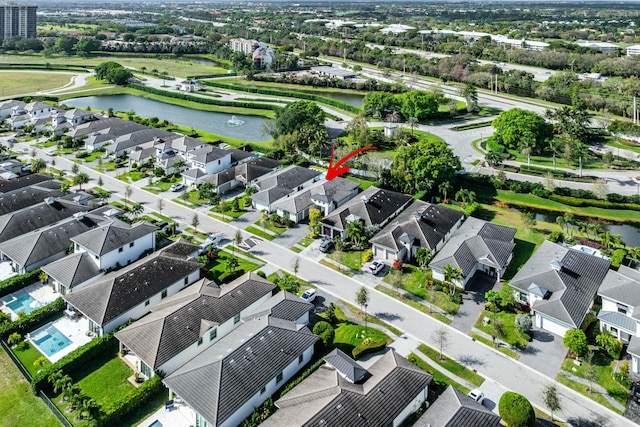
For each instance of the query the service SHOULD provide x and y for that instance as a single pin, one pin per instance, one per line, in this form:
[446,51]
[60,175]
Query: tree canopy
[113,73]
[517,128]
[303,122]
[516,410]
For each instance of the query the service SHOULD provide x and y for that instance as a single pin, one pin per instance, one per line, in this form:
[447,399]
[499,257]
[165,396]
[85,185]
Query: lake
[246,128]
[354,99]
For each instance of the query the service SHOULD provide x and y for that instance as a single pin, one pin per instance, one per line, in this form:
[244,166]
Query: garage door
[551,325]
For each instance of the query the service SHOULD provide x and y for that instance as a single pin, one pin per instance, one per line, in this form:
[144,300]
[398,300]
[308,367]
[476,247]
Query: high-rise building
[17,20]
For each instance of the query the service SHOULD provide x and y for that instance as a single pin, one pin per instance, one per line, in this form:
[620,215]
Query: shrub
[524,323]
[116,411]
[325,332]
[610,344]
[82,154]
[397,264]
[455,298]
[556,236]
[617,257]
[516,410]
[368,345]
[576,341]
[261,274]
[15,283]
[32,320]
[472,209]
[367,255]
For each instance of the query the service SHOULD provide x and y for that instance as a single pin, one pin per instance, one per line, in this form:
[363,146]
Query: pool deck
[180,415]
[39,292]
[75,329]
[6,271]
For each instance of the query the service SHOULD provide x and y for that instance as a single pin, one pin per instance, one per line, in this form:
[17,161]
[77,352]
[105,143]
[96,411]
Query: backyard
[506,329]
[218,269]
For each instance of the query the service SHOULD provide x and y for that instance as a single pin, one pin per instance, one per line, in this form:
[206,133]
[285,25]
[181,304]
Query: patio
[42,294]
[180,415]
[6,271]
[75,329]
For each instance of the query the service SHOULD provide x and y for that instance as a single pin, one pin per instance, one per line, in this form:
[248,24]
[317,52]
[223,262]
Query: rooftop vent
[556,265]
[79,215]
[364,199]
[49,200]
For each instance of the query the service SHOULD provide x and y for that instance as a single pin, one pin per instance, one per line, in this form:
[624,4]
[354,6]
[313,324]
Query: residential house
[422,224]
[342,393]
[323,195]
[103,132]
[125,143]
[131,292]
[8,106]
[23,115]
[204,161]
[285,182]
[477,246]
[453,408]
[263,56]
[631,51]
[194,319]
[116,243]
[559,285]
[601,46]
[72,272]
[374,206]
[620,312]
[73,117]
[20,198]
[246,173]
[40,179]
[227,381]
[32,250]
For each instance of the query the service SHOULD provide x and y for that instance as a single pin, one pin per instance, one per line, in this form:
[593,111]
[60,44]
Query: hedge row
[15,283]
[212,76]
[209,101]
[368,346]
[46,67]
[291,94]
[533,170]
[75,360]
[115,412]
[33,320]
[620,127]
[597,203]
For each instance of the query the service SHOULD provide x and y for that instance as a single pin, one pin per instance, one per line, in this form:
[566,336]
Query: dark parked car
[635,394]
[326,245]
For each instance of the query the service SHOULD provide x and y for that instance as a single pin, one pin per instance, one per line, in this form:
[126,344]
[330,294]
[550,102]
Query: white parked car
[177,186]
[309,295]
[477,395]
[376,266]
[51,152]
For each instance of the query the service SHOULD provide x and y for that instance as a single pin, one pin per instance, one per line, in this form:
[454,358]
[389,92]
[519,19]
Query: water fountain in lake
[234,122]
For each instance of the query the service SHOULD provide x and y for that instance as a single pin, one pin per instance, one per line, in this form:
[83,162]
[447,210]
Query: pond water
[630,233]
[213,122]
[354,99]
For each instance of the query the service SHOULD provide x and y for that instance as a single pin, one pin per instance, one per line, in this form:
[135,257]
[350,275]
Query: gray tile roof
[73,269]
[27,196]
[426,222]
[373,206]
[175,325]
[622,286]
[238,155]
[571,288]
[182,142]
[183,248]
[454,409]
[7,186]
[208,154]
[335,190]
[271,195]
[121,290]
[284,305]
[114,125]
[131,139]
[109,237]
[37,216]
[289,178]
[325,398]
[31,248]
[634,346]
[348,368]
[221,379]
[194,173]
[476,241]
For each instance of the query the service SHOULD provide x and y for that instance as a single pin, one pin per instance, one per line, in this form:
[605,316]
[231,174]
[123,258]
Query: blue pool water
[50,340]
[22,303]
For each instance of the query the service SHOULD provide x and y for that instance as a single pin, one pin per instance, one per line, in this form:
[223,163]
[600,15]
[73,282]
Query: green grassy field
[14,83]
[107,382]
[18,406]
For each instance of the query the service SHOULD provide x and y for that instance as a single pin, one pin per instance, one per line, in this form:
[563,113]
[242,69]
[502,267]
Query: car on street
[326,245]
[309,295]
[25,150]
[477,395]
[376,266]
[635,395]
[50,152]
[26,168]
[177,186]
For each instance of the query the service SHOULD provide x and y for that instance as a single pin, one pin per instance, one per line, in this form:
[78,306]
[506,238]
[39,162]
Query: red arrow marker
[338,169]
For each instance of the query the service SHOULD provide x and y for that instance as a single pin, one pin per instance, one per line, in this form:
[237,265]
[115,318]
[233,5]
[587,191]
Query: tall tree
[470,94]
[441,337]
[195,222]
[81,178]
[362,297]
[514,125]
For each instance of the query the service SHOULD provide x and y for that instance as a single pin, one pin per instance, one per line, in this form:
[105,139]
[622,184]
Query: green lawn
[350,259]
[440,381]
[29,355]
[510,336]
[413,281]
[106,382]
[107,166]
[415,304]
[604,368]
[132,176]
[259,233]
[583,389]
[18,405]
[371,319]
[271,227]
[306,241]
[335,267]
[452,366]
[512,354]
[16,83]
[161,185]
[350,335]
[218,267]
[228,214]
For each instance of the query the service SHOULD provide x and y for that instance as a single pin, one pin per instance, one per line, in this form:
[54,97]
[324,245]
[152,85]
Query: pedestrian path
[597,389]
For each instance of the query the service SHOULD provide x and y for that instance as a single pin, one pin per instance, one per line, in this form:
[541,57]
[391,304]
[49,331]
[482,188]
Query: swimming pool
[49,340]
[23,302]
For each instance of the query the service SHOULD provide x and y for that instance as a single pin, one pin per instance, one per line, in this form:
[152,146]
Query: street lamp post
[365,318]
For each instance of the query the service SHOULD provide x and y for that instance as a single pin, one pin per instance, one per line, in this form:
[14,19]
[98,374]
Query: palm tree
[444,187]
[451,275]
[526,146]
[37,165]
[136,209]
[493,158]
[81,178]
[554,146]
[355,231]
[465,196]
[179,165]
[412,122]
[580,151]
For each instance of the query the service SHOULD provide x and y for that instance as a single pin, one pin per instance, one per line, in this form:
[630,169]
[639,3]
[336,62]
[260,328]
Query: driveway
[632,411]
[473,302]
[544,353]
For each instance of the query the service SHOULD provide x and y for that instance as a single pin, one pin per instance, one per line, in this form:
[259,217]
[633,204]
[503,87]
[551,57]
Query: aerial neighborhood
[217,214]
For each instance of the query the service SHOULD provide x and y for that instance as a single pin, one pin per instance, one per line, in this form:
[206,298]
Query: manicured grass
[259,233]
[220,218]
[364,183]
[371,319]
[217,267]
[94,155]
[335,267]
[604,368]
[199,234]
[29,355]
[413,281]
[306,241]
[350,335]
[583,389]
[269,225]
[228,214]
[162,217]
[452,366]
[107,166]
[440,381]
[18,405]
[512,354]
[20,82]
[350,259]
[145,411]
[161,185]
[107,382]
[132,176]
[415,304]
[295,249]
[509,326]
